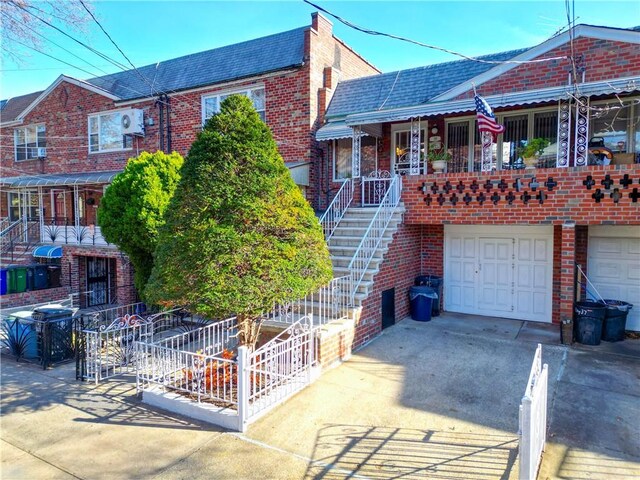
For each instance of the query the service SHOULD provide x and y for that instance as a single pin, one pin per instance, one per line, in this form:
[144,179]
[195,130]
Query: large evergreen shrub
[239,236]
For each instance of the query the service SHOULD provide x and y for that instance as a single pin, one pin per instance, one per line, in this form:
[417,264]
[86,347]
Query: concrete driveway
[436,400]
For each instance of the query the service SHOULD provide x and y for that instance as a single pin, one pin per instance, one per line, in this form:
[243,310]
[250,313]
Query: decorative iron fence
[280,368]
[374,187]
[48,342]
[533,418]
[62,230]
[337,208]
[375,231]
[328,303]
[205,366]
[198,363]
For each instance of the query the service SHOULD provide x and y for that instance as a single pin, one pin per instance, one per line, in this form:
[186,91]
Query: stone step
[344,261]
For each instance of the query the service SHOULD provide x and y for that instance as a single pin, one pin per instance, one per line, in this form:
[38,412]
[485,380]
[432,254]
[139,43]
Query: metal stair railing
[372,237]
[17,237]
[337,208]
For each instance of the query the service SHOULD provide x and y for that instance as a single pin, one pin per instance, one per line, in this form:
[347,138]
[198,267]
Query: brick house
[504,237]
[61,147]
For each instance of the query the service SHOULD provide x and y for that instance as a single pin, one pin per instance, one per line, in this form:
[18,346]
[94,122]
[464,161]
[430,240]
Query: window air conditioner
[133,122]
[42,152]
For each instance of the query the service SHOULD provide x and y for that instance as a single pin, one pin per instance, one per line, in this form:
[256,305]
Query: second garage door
[498,271]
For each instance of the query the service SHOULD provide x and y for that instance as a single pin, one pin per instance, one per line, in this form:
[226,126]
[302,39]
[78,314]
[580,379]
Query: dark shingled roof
[404,88]
[241,60]
[11,108]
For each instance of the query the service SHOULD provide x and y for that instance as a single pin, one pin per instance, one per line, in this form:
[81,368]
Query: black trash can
[434,282]
[588,320]
[615,320]
[420,302]
[54,276]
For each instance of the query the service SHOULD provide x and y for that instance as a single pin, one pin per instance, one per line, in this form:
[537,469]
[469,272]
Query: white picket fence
[533,418]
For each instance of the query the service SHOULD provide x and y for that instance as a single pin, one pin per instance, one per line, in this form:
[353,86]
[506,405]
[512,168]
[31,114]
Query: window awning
[338,130]
[47,251]
[299,172]
[511,99]
[59,179]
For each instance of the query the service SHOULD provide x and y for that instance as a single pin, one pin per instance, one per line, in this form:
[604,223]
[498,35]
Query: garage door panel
[511,274]
[614,269]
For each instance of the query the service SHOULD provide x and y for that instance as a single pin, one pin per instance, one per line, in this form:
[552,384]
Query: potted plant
[438,159]
[532,151]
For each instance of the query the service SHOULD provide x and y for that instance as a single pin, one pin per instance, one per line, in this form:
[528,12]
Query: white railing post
[337,208]
[244,386]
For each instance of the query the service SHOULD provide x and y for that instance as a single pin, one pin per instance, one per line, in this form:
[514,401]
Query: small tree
[239,236]
[132,209]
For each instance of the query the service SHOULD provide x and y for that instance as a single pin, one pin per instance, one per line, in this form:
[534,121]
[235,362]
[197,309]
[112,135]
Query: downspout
[160,122]
[168,101]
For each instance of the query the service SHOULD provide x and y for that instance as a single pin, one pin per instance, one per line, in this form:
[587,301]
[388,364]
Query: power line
[433,47]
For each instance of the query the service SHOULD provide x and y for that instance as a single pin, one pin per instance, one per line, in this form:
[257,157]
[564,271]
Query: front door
[98,276]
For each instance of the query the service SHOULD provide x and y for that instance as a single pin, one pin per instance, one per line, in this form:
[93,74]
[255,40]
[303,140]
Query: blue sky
[150,31]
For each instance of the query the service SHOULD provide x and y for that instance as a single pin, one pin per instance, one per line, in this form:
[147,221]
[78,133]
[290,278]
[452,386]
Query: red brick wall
[35,296]
[432,250]
[603,60]
[570,200]
[400,267]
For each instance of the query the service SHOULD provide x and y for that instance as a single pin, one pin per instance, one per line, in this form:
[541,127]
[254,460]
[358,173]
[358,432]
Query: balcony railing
[63,231]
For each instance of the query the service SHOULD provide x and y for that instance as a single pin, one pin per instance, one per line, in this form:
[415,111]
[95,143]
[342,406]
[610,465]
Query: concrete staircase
[348,235]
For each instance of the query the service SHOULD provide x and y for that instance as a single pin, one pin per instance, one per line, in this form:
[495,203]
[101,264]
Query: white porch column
[580,150]
[41,212]
[355,152]
[25,215]
[564,132]
[487,151]
[76,214]
[414,147]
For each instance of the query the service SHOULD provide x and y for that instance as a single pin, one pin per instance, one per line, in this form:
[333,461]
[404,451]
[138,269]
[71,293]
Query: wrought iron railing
[337,208]
[62,230]
[375,231]
[330,302]
[197,363]
[20,232]
[281,367]
[374,187]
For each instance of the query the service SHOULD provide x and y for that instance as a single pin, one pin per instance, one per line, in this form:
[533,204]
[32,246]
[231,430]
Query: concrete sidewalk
[424,400]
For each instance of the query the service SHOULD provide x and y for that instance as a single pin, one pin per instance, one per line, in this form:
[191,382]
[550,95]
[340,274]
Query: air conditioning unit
[42,152]
[133,122]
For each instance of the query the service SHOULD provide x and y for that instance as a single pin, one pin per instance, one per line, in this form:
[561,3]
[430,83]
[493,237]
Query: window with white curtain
[211,103]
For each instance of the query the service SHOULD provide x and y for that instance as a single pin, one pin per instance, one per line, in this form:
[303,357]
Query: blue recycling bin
[37,277]
[420,302]
[3,281]
[434,282]
[21,335]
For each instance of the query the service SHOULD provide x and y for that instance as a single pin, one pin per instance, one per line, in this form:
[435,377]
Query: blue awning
[47,251]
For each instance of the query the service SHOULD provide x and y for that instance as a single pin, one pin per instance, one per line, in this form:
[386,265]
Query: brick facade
[295,103]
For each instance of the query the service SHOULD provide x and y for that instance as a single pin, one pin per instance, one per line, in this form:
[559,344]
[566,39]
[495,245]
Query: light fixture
[434,130]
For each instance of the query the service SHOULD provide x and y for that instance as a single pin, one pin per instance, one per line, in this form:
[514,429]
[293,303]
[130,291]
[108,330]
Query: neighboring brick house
[505,238]
[61,147]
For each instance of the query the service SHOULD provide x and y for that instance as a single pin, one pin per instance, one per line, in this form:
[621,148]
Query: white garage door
[614,267]
[499,271]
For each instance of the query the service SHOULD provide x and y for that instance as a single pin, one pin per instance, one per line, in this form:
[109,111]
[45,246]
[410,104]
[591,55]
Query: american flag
[486,118]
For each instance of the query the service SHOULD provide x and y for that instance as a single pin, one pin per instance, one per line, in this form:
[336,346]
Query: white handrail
[372,237]
[337,208]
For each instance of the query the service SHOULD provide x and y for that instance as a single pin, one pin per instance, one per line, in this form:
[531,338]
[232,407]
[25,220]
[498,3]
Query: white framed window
[401,147]
[618,126]
[463,140]
[105,133]
[27,140]
[211,103]
[342,157]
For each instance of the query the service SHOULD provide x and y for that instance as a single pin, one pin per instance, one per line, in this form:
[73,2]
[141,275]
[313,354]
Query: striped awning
[47,251]
[334,131]
[59,179]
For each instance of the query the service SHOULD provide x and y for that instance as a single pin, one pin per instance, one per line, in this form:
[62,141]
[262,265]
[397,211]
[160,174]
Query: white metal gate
[110,349]
[533,418]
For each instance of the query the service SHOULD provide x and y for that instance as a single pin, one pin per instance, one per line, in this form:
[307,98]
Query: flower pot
[439,165]
[530,162]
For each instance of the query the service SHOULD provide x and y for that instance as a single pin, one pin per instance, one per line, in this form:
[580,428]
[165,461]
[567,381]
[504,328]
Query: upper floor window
[211,103]
[617,126]
[105,133]
[27,140]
